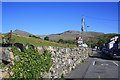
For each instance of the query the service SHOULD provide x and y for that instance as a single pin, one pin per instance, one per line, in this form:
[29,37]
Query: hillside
[71,35]
[38,42]
[105,38]
[67,35]
[22,33]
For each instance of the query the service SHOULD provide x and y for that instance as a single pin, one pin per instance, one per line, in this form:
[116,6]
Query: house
[119,42]
[113,44]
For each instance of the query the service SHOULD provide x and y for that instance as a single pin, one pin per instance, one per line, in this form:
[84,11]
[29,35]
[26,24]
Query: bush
[46,38]
[61,41]
[67,41]
[34,36]
[30,64]
[62,75]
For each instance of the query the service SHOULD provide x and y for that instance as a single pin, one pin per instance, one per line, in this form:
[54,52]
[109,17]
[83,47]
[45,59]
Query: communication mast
[83,24]
[82,27]
[80,38]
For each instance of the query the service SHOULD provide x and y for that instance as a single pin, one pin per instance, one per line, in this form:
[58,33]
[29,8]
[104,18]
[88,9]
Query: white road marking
[105,64]
[115,63]
[93,62]
[99,76]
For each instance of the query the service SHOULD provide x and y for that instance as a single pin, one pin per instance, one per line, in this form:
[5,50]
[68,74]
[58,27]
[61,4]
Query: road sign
[80,41]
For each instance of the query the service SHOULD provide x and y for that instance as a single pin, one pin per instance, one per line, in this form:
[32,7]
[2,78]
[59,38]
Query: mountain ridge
[22,33]
[71,35]
[66,35]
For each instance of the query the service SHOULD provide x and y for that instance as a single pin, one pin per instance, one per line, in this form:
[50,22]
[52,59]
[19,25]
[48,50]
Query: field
[38,42]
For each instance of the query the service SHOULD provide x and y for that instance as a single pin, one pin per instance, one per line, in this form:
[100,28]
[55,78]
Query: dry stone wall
[65,59]
[5,57]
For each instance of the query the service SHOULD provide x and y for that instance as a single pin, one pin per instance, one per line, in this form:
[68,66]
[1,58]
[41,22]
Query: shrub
[34,36]
[30,64]
[46,38]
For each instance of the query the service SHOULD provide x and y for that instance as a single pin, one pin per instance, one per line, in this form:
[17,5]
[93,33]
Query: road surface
[97,66]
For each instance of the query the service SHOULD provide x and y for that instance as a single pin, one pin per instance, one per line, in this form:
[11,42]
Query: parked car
[94,49]
[115,54]
[106,51]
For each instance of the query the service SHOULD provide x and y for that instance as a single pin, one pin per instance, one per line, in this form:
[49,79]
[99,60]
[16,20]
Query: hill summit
[71,35]
[22,33]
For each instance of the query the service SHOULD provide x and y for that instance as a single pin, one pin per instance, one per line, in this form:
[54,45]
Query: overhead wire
[100,18]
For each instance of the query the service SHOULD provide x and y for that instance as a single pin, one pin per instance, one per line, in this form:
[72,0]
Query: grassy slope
[107,36]
[0,39]
[38,42]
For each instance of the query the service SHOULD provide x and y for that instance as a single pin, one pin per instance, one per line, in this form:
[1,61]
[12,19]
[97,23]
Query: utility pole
[82,29]
[83,24]
[80,38]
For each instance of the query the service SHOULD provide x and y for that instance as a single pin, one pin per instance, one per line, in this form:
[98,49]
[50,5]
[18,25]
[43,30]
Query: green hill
[102,39]
[38,42]
[92,39]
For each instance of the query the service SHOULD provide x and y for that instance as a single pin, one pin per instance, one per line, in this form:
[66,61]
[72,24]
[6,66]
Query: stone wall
[65,59]
[6,57]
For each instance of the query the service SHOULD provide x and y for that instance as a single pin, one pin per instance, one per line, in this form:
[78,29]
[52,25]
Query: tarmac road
[98,66]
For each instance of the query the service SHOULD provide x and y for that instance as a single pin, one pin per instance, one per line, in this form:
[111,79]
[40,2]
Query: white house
[112,45]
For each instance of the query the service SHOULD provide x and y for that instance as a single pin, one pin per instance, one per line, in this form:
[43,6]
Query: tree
[46,38]
[61,41]
[34,36]
[101,41]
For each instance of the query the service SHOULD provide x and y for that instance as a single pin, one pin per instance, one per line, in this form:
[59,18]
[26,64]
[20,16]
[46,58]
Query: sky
[0,16]
[60,0]
[43,18]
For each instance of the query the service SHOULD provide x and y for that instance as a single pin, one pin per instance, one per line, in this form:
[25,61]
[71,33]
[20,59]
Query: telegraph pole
[82,28]
[80,37]
[83,24]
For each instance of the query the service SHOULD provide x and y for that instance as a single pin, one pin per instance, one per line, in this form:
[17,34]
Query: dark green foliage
[102,41]
[2,65]
[67,41]
[46,38]
[62,76]
[30,64]
[34,36]
[93,45]
[61,41]
[71,41]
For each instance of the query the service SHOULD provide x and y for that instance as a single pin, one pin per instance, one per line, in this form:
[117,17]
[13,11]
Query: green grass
[38,42]
[0,39]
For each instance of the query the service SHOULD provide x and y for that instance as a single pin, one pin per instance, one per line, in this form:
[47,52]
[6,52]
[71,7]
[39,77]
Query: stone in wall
[7,58]
[20,46]
[40,50]
[65,59]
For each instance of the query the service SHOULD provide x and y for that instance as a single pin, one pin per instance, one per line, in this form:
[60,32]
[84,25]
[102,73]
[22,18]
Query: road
[97,66]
